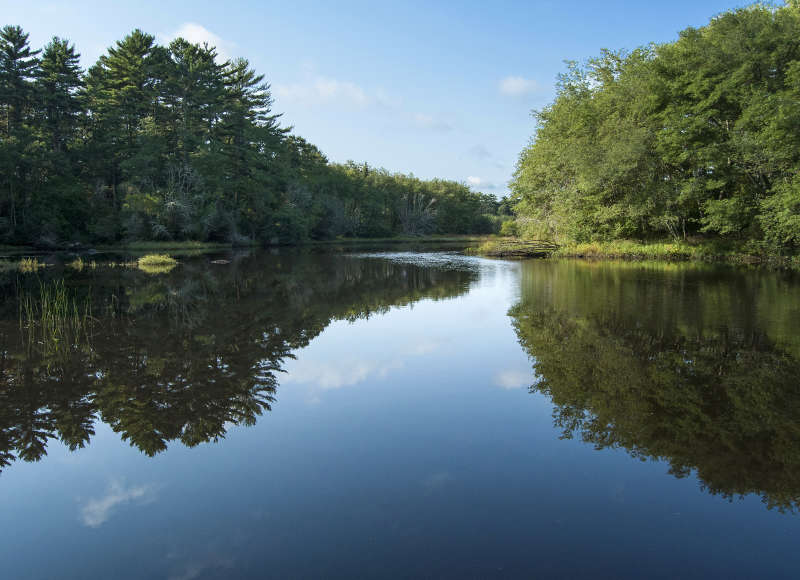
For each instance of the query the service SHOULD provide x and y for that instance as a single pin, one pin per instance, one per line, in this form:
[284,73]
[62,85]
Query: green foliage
[509,228]
[694,136]
[780,216]
[168,143]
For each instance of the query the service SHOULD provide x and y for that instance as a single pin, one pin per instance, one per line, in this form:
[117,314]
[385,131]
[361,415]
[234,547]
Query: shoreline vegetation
[149,263]
[632,250]
[489,246]
[193,245]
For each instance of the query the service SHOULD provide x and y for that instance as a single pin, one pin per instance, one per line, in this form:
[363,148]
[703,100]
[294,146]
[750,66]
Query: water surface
[399,414]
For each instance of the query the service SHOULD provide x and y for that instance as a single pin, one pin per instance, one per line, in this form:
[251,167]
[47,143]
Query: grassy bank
[708,251]
[513,248]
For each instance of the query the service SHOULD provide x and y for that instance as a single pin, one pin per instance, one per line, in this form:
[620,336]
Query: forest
[696,139]
[168,143]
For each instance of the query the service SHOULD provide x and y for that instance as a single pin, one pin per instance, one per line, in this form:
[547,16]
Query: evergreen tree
[18,65]
[161,142]
[58,85]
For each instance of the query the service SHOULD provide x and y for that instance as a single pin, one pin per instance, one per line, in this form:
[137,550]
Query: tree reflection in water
[182,356]
[696,366]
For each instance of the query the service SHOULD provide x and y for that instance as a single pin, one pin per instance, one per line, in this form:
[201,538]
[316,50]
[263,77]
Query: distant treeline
[695,138]
[168,143]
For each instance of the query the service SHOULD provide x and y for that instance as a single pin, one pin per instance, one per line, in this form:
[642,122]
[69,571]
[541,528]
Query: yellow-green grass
[78,264]
[630,250]
[28,265]
[670,251]
[156,263]
[514,248]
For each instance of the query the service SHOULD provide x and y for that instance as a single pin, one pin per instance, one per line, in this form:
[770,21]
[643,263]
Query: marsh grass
[631,250]
[54,321]
[156,263]
[79,265]
[514,248]
[29,265]
[665,251]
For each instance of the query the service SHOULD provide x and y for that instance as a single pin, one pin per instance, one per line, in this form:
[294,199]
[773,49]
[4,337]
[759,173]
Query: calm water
[399,414]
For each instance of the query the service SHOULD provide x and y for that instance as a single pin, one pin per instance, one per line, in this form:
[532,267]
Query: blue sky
[438,89]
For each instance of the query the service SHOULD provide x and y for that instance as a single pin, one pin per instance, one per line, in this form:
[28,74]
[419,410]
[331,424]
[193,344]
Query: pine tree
[249,137]
[17,68]
[58,83]
[194,91]
[121,95]
[18,65]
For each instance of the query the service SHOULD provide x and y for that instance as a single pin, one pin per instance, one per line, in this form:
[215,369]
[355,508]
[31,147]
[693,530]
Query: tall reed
[53,320]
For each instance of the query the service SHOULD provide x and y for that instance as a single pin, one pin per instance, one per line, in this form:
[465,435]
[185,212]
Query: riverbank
[707,251]
[184,246]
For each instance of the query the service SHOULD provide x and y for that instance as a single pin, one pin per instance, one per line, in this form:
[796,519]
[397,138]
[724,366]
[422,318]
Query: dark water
[432,415]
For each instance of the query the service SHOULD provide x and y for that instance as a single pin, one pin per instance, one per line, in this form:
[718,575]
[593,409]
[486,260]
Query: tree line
[697,138]
[169,143]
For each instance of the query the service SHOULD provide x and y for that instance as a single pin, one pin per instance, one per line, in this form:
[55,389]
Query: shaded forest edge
[169,144]
[683,150]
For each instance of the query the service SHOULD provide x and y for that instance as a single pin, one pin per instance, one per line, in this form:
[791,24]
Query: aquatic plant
[28,265]
[156,263]
[78,264]
[54,321]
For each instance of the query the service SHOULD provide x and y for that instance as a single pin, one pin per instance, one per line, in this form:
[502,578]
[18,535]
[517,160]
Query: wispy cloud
[480,183]
[432,123]
[322,376]
[513,379]
[328,376]
[424,347]
[486,158]
[479,152]
[97,511]
[320,89]
[199,34]
[514,86]
[316,89]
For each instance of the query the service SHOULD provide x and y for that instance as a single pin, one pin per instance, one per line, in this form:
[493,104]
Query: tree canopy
[170,142]
[697,137]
